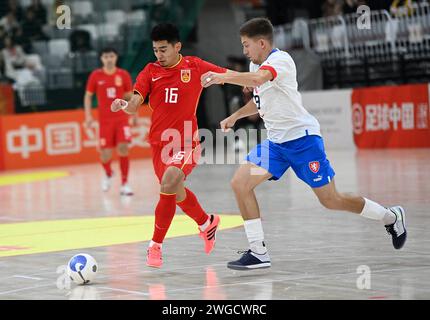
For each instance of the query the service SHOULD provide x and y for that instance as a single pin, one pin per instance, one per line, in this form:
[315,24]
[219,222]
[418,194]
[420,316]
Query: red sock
[191,206]
[164,213]
[107,168]
[124,164]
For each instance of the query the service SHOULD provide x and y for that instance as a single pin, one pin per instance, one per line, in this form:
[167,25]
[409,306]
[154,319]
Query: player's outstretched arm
[245,79]
[129,107]
[247,110]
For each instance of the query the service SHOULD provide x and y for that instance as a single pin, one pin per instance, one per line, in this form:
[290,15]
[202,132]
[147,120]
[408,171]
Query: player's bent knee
[123,150]
[240,185]
[171,180]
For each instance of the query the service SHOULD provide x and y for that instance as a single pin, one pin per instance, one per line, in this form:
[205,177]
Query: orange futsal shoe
[209,235]
[154,258]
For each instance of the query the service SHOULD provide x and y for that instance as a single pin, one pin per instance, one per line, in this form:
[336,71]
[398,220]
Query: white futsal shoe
[106,182]
[126,190]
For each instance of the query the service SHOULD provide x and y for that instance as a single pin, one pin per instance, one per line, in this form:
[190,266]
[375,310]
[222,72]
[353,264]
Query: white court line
[26,288]
[123,290]
[27,277]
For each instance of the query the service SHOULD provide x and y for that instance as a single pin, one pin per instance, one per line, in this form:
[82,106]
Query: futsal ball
[82,268]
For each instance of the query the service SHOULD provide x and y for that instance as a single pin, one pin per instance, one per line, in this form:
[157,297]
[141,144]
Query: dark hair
[165,31]
[258,27]
[108,50]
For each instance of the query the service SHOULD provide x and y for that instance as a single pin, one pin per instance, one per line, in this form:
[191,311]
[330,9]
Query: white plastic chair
[59,47]
[115,17]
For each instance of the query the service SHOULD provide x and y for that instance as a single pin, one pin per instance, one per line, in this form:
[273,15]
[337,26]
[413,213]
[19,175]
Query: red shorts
[114,132]
[183,158]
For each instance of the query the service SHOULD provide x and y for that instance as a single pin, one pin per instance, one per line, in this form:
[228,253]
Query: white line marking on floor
[27,277]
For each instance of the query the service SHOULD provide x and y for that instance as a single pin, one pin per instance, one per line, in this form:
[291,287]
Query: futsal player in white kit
[294,140]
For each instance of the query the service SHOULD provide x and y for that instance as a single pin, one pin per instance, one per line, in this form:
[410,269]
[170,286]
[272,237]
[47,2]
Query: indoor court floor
[48,215]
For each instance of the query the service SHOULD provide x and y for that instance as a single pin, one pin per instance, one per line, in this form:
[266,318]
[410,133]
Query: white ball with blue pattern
[82,268]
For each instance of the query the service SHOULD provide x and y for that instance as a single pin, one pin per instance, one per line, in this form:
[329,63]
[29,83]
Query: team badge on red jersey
[314,166]
[185,75]
[118,81]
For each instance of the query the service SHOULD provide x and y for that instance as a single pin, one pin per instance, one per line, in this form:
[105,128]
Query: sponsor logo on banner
[391,117]
[59,138]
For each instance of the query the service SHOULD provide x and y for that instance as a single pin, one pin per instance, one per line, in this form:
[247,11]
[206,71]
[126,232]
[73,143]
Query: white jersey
[280,103]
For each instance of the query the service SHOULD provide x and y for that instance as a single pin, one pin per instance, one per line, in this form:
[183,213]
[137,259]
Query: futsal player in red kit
[174,88]
[109,83]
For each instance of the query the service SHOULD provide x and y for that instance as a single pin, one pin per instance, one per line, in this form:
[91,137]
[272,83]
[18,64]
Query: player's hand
[210,78]
[228,123]
[118,104]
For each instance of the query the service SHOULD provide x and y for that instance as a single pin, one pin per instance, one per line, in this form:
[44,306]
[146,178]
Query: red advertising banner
[7,99]
[59,138]
[391,117]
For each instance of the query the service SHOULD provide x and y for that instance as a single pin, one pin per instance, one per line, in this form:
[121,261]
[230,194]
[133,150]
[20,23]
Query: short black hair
[108,50]
[257,27]
[165,31]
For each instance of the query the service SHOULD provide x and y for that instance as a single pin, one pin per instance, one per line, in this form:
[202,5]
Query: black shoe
[250,260]
[397,230]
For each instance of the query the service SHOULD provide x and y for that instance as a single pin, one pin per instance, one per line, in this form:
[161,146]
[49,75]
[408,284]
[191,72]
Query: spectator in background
[31,30]
[2,37]
[13,57]
[9,23]
[14,8]
[39,11]
[350,6]
[80,41]
[332,8]
[18,67]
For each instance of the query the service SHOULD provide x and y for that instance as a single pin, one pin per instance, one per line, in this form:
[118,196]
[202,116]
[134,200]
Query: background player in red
[109,83]
[173,86]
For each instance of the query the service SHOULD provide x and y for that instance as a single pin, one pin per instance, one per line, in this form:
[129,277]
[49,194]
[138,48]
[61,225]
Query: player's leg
[393,218]
[243,184]
[106,139]
[207,224]
[106,160]
[311,165]
[123,138]
[164,213]
[265,162]
[124,164]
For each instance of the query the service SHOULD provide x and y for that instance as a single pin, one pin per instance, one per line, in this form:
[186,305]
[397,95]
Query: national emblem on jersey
[314,166]
[185,75]
[118,81]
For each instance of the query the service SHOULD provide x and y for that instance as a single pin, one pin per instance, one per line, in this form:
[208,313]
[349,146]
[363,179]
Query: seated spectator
[39,11]
[80,41]
[17,67]
[2,37]
[15,8]
[31,30]
[332,8]
[13,57]
[9,23]
[350,6]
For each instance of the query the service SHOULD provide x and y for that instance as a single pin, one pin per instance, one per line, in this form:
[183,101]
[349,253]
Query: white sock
[375,211]
[204,226]
[151,243]
[255,235]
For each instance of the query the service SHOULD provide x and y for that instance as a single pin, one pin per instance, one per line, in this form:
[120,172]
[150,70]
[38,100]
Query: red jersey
[174,94]
[107,88]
